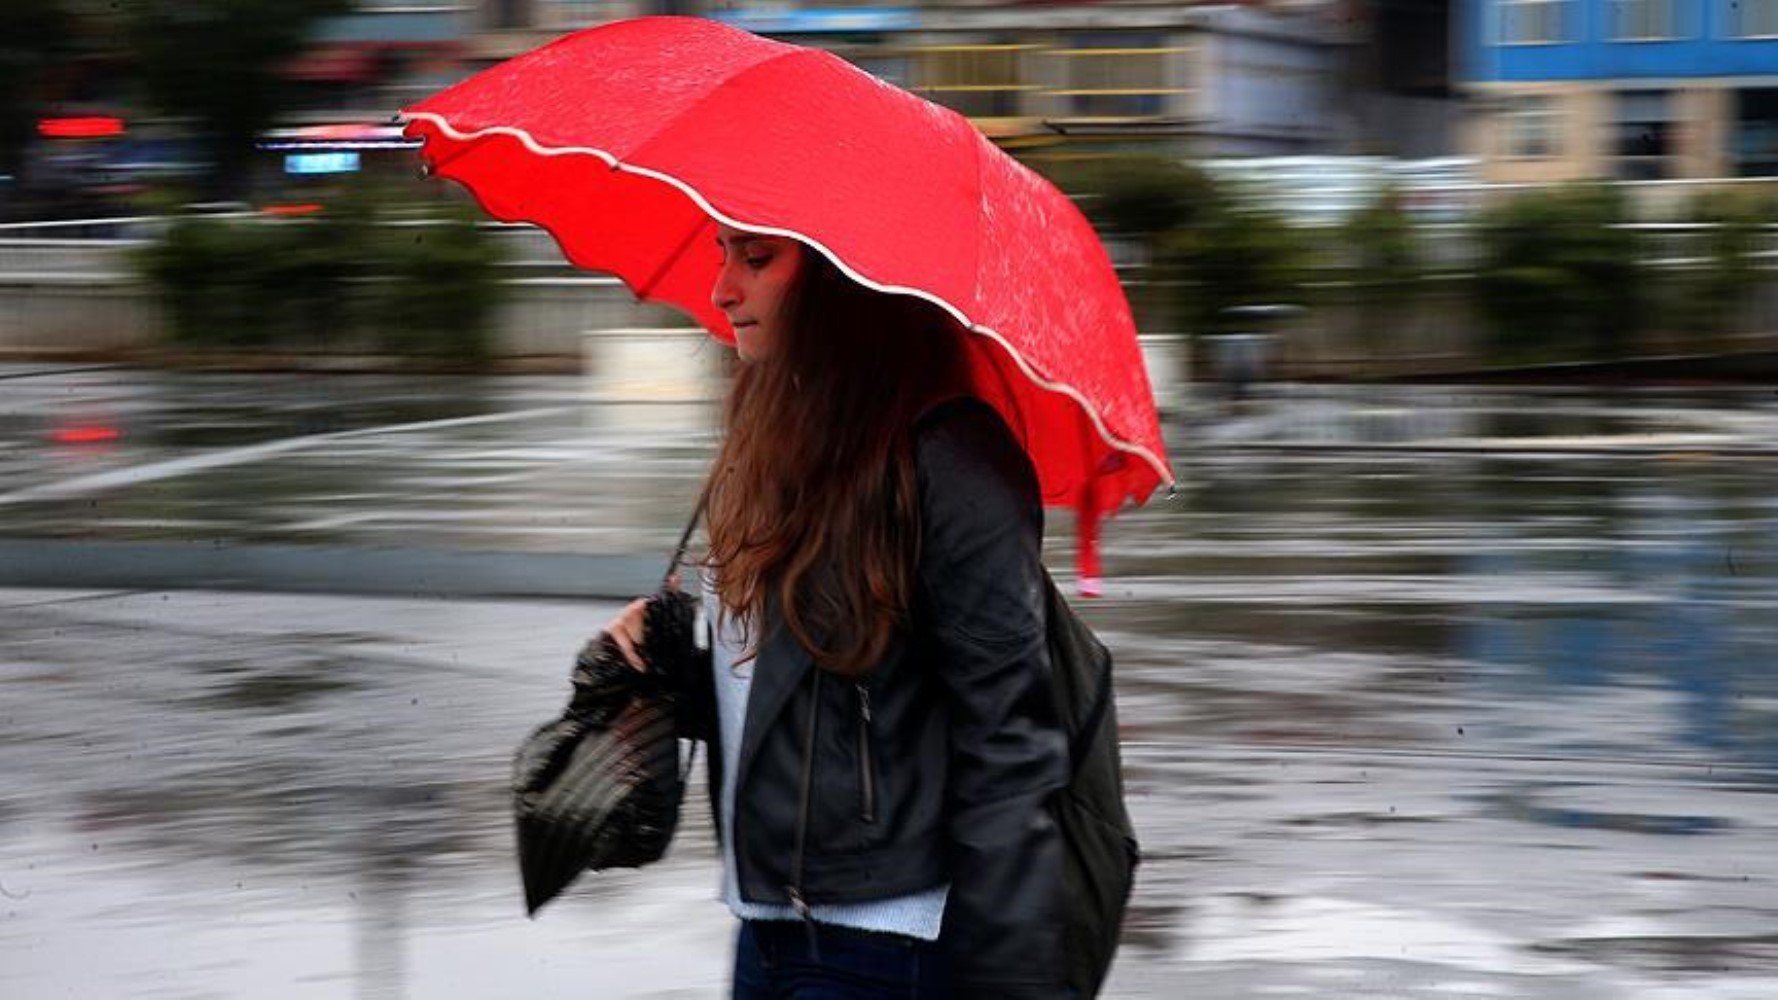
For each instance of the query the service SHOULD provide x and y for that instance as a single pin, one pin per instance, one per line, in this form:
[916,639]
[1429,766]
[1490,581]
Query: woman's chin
[747,346]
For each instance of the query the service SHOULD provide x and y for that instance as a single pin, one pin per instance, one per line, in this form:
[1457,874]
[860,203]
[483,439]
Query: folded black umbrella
[600,787]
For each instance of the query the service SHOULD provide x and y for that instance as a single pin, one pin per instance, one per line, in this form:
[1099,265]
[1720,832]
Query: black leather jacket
[937,766]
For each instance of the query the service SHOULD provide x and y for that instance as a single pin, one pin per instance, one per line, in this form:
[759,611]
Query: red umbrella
[630,141]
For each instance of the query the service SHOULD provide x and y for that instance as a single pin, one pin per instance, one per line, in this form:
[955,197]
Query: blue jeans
[773,961]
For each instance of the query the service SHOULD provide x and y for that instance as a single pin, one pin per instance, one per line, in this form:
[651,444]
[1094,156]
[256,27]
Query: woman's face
[754,288]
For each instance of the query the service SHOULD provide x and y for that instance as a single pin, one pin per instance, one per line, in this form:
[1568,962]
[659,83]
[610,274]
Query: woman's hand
[628,630]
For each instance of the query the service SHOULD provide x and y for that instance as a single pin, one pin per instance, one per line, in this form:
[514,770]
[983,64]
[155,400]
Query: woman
[882,738]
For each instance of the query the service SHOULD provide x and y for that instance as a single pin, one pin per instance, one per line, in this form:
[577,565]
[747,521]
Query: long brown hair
[813,508]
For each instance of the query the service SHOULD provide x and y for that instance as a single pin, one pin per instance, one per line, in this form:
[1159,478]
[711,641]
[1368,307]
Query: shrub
[1706,297]
[1145,196]
[342,279]
[1209,247]
[437,289]
[1559,276]
[1374,265]
[1233,253]
[1379,251]
[186,266]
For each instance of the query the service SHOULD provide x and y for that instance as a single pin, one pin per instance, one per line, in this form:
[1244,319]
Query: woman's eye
[756,262]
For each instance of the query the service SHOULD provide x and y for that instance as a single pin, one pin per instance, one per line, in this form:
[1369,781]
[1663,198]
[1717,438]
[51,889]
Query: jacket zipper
[794,891]
[867,772]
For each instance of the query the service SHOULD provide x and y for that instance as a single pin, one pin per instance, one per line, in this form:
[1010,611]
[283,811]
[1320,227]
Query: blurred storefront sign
[344,162]
[89,127]
[811,20]
[337,136]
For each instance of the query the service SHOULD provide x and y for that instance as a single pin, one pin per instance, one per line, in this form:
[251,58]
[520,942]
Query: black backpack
[1099,844]
[1099,850]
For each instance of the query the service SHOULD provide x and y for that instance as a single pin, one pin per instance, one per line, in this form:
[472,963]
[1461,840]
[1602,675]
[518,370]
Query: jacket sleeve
[982,597]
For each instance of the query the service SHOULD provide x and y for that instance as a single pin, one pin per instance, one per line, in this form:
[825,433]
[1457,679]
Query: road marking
[43,372]
[153,471]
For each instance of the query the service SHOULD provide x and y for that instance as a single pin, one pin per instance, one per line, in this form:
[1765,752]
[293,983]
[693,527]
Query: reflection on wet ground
[511,464]
[1462,719]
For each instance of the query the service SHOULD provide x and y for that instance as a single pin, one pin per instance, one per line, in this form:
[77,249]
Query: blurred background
[1404,186]
[1446,672]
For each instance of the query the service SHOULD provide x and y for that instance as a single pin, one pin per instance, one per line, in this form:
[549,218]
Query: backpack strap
[1082,744]
[1070,641]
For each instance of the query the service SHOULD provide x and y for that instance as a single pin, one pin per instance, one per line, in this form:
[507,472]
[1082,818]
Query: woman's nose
[723,294]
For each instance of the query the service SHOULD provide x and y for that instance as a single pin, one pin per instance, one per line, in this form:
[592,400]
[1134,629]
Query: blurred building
[358,69]
[1628,89]
[1053,78]
[1403,89]
[504,28]
[363,66]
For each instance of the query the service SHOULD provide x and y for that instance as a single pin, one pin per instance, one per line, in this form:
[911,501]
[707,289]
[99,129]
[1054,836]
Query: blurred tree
[219,62]
[1560,277]
[1376,266]
[1707,297]
[1379,241]
[39,34]
[1145,196]
[420,281]
[1233,252]
[1134,196]
[440,287]
[1210,246]
[1144,201]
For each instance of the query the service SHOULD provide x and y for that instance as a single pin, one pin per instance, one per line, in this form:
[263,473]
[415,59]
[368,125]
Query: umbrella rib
[684,112]
[669,260]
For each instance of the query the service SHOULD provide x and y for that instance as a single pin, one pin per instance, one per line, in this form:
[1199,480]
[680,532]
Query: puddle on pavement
[1410,719]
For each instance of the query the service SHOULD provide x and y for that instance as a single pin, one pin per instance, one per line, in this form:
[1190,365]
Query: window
[1530,126]
[1642,20]
[1642,126]
[1753,18]
[977,80]
[502,15]
[1533,22]
[1755,145]
[1114,75]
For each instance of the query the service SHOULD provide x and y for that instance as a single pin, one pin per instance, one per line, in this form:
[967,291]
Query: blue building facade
[1636,89]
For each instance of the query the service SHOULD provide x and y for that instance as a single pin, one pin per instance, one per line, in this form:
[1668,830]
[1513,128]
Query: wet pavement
[1424,693]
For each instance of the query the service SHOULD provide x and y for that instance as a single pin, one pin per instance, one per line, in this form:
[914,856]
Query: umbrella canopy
[630,141]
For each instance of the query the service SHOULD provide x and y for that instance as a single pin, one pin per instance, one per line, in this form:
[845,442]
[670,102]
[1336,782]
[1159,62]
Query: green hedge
[344,279]
[1235,254]
[1559,278]
[1707,297]
[1210,248]
[1374,268]
[1557,274]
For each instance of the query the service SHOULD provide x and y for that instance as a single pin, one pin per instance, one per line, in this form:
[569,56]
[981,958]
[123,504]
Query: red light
[290,209]
[92,434]
[79,128]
